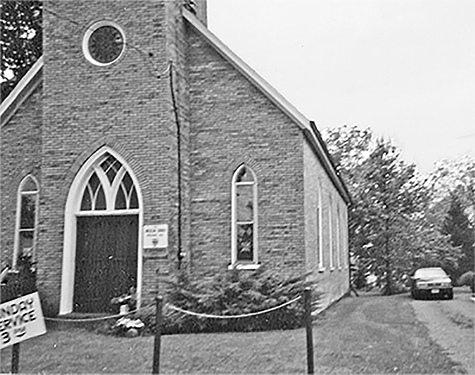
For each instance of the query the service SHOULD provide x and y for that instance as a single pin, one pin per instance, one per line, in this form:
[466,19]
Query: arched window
[344,231]
[338,236]
[331,230]
[244,219]
[26,220]
[109,188]
[321,266]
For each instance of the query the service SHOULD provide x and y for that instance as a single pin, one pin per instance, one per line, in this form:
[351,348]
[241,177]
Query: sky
[404,68]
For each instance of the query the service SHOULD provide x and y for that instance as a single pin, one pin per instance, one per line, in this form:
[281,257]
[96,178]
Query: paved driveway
[451,325]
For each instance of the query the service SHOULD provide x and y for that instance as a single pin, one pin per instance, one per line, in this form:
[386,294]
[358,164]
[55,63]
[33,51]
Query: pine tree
[458,227]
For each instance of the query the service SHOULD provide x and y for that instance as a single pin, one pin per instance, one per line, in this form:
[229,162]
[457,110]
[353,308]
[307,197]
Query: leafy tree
[452,177]
[21,40]
[387,201]
[390,234]
[349,147]
[461,232]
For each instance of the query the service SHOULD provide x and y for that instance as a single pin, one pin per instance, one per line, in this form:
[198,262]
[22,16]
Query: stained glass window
[25,241]
[244,216]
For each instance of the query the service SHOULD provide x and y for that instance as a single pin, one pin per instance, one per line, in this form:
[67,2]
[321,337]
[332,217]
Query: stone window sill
[243,266]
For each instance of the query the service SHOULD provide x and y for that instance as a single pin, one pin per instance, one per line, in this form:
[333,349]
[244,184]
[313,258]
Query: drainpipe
[178,135]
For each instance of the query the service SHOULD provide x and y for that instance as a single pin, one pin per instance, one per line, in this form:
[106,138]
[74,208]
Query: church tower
[114,148]
[140,145]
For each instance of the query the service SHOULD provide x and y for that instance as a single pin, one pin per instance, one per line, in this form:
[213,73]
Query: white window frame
[346,245]
[20,194]
[110,190]
[235,263]
[330,232]
[321,264]
[87,36]
[338,236]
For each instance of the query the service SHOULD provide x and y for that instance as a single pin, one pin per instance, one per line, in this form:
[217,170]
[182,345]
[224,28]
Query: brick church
[139,144]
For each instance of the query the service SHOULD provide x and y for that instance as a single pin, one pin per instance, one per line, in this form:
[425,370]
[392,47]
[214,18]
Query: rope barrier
[96,319]
[232,316]
[104,318]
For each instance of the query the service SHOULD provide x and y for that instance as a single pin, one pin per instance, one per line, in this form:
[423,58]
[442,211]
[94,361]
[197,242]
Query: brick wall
[20,155]
[234,123]
[126,106]
[333,277]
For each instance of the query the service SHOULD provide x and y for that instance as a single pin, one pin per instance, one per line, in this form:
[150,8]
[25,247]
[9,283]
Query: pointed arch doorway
[101,256]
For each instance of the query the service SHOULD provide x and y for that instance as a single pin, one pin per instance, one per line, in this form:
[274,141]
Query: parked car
[431,282]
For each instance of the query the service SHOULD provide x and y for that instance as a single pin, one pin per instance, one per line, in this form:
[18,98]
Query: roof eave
[271,93]
[315,139]
[21,92]
[308,127]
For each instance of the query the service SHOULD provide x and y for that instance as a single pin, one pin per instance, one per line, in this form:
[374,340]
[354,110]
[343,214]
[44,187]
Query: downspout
[178,134]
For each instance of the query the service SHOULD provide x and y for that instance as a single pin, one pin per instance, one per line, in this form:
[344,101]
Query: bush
[233,293]
[468,279]
[20,282]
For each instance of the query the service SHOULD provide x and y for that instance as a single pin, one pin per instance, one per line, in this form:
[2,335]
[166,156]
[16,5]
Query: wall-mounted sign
[155,236]
[20,320]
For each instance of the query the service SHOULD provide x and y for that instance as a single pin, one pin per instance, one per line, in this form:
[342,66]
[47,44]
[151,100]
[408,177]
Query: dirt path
[374,334]
[451,325]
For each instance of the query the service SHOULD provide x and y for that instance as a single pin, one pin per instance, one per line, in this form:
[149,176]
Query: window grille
[244,217]
[27,220]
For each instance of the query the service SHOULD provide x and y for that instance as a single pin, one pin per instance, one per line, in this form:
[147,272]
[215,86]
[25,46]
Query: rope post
[158,335]
[307,298]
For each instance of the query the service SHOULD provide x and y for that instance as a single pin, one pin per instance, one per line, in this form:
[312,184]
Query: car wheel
[450,294]
[414,295]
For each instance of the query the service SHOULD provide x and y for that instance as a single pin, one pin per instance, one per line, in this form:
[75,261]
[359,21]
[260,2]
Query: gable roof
[21,92]
[308,127]
[32,79]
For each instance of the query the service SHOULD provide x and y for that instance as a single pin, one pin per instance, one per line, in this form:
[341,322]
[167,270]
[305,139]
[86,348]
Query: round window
[103,43]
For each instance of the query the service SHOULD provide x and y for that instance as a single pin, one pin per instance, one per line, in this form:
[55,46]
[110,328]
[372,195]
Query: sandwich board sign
[20,320]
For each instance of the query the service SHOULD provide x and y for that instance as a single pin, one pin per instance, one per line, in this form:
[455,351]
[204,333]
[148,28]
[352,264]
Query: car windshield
[430,272]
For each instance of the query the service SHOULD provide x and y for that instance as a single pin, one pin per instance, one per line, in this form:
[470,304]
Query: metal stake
[158,335]
[307,296]
[15,358]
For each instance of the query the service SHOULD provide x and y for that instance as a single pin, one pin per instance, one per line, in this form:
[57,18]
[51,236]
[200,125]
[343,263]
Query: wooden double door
[106,261]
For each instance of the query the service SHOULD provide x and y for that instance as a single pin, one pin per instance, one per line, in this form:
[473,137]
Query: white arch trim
[72,209]
[20,193]
[234,260]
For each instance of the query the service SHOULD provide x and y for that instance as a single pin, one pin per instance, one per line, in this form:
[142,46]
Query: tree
[21,41]
[387,203]
[461,232]
[452,177]
[349,147]
[390,234]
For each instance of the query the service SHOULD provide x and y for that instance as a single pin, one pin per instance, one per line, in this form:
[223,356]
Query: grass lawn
[369,334]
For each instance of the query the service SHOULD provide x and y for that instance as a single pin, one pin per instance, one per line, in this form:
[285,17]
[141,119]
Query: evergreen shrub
[468,279]
[21,282]
[233,292]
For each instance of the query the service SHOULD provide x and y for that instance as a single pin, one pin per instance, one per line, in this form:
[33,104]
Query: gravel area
[451,325]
